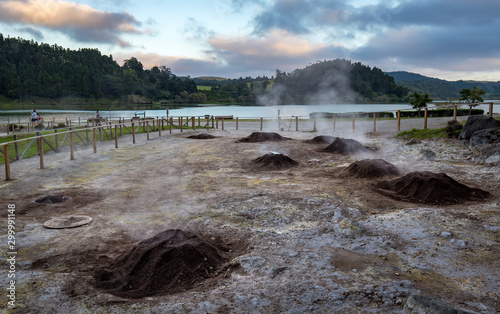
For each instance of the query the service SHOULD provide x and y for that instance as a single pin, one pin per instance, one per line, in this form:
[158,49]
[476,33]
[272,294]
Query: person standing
[34,117]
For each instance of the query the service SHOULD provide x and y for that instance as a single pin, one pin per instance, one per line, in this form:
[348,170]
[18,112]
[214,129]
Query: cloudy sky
[449,39]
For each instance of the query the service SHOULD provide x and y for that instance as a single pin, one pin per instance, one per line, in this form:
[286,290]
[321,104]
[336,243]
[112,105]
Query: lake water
[215,110]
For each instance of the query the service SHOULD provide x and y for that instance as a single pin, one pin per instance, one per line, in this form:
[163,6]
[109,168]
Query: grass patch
[422,134]
[203,87]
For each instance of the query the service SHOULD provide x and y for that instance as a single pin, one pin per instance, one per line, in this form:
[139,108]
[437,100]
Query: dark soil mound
[202,136]
[273,161]
[322,139]
[346,146]
[263,137]
[170,262]
[429,188]
[370,168]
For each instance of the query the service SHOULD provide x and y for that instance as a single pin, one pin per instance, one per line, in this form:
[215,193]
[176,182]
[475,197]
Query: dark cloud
[81,22]
[38,35]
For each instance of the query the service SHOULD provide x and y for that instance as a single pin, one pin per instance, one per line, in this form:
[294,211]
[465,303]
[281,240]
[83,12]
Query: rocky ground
[302,239]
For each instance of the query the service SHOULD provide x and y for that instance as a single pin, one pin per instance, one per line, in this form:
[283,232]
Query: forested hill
[338,81]
[442,89]
[29,69]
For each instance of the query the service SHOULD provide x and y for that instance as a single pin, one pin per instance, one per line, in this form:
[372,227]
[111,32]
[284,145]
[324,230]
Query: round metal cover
[67,222]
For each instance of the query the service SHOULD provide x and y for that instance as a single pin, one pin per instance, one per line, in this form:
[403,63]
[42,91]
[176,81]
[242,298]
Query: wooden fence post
[170,126]
[16,147]
[236,123]
[491,109]
[147,129]
[8,125]
[72,145]
[194,123]
[296,123]
[455,113]
[133,133]
[7,161]
[353,119]
[217,123]
[334,119]
[208,122]
[399,120]
[94,140]
[426,114]
[159,127]
[222,124]
[40,145]
[116,136]
[374,122]
[314,123]
[279,123]
[182,125]
[261,123]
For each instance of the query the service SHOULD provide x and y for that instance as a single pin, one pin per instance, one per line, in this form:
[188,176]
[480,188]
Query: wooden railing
[112,131]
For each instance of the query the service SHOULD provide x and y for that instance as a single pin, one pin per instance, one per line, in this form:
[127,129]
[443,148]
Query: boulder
[476,123]
[417,304]
[486,136]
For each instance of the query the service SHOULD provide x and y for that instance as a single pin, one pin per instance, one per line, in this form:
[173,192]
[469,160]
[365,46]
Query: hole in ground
[52,199]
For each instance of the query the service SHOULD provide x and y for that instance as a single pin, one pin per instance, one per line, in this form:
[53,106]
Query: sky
[447,39]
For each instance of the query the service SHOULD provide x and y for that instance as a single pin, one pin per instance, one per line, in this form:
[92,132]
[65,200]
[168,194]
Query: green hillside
[441,89]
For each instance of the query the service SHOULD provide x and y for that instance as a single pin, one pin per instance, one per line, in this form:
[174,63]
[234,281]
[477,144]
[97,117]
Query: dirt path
[305,239]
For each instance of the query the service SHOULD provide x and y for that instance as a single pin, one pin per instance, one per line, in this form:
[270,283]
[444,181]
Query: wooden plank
[27,148]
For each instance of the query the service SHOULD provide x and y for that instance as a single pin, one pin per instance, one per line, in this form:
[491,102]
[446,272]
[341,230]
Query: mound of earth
[346,146]
[170,262]
[370,168]
[202,136]
[321,139]
[273,161]
[429,188]
[263,137]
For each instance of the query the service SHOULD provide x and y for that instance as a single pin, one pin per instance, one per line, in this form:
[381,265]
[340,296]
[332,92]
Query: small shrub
[453,129]
[61,125]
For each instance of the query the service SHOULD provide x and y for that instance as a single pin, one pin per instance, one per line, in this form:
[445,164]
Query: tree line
[29,70]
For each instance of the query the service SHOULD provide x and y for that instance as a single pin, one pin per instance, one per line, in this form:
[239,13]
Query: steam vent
[170,262]
[273,161]
[256,137]
[345,146]
[430,188]
[370,168]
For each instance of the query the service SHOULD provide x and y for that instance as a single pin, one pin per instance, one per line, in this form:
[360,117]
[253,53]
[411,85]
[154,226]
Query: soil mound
[370,168]
[263,137]
[429,188]
[202,136]
[274,161]
[170,262]
[322,139]
[346,146]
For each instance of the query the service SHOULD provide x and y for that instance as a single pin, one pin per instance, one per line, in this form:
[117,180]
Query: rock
[418,304]
[349,227]
[486,136]
[413,141]
[428,154]
[445,234]
[494,159]
[476,123]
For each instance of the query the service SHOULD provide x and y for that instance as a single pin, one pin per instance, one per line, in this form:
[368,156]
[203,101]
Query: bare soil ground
[301,239]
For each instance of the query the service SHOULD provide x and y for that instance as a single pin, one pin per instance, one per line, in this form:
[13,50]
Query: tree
[419,101]
[472,96]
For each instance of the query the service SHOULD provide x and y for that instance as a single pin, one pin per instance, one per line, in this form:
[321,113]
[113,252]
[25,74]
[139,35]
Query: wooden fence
[89,135]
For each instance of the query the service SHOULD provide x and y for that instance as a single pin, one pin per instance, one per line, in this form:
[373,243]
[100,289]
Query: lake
[216,110]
